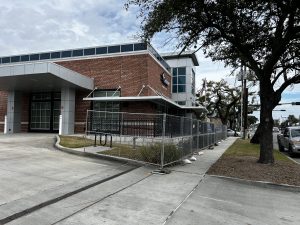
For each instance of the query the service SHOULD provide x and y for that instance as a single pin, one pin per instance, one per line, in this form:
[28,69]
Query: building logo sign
[164,80]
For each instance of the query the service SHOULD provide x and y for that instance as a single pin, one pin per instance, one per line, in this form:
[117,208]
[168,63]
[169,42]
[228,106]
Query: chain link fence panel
[157,139]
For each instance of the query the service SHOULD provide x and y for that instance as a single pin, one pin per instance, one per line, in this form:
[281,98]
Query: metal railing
[158,139]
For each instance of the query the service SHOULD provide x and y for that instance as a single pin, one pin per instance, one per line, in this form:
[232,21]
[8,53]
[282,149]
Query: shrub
[152,153]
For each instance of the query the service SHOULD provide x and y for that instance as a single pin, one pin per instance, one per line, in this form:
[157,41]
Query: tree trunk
[266,123]
[256,136]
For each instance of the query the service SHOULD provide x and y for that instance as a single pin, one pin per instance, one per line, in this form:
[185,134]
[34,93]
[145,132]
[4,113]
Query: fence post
[121,127]
[207,134]
[198,136]
[163,141]
[191,135]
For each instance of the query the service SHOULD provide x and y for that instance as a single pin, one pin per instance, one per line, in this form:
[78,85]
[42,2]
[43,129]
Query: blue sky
[42,25]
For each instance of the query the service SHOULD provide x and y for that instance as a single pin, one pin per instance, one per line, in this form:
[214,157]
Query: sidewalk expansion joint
[59,198]
[101,199]
[191,192]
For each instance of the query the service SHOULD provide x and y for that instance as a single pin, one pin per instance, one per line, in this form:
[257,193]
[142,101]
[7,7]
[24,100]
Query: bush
[152,153]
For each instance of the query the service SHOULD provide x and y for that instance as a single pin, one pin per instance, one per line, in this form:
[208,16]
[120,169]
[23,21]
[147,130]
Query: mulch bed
[246,167]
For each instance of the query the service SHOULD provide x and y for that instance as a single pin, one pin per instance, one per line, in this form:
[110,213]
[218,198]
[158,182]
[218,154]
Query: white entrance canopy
[41,76]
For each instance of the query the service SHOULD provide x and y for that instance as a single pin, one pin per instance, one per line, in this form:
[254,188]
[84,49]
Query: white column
[67,110]
[14,111]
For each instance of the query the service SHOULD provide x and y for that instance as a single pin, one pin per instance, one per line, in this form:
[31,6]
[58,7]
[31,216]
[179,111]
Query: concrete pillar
[14,112]
[68,110]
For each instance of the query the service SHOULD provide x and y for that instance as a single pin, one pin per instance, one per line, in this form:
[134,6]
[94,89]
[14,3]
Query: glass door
[45,111]
[56,113]
[40,115]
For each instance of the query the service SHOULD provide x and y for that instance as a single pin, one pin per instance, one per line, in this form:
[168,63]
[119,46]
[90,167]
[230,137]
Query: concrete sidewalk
[137,197]
[185,196]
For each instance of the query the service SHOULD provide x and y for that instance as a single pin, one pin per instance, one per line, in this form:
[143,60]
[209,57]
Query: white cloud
[31,26]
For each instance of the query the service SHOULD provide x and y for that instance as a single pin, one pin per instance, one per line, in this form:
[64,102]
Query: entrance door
[44,113]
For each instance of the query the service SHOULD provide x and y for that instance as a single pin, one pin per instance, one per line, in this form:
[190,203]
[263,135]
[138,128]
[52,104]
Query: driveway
[33,172]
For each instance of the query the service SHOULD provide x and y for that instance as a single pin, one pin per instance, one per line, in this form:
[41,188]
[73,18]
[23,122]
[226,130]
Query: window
[106,93]
[24,58]
[113,49]
[78,52]
[140,47]
[126,48]
[66,54]
[179,79]
[6,60]
[181,102]
[34,57]
[295,132]
[55,55]
[106,117]
[45,56]
[101,50]
[89,51]
[181,88]
[15,59]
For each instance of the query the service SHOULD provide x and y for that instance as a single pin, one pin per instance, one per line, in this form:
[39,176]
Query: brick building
[36,88]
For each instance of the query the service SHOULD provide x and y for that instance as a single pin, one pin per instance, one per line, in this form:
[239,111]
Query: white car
[232,133]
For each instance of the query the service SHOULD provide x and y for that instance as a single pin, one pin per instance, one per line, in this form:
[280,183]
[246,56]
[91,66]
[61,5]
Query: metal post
[191,141]
[163,141]
[5,124]
[121,127]
[198,134]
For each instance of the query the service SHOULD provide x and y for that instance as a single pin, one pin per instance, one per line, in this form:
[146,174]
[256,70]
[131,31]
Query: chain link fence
[157,139]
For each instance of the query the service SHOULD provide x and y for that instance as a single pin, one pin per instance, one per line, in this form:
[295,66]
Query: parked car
[289,140]
[232,133]
[276,130]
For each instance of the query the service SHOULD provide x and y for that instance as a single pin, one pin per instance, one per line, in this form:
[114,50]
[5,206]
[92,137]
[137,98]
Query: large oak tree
[262,35]
[221,101]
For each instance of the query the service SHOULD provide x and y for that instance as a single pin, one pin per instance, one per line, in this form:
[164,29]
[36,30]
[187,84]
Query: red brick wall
[129,72]
[81,108]
[138,107]
[154,72]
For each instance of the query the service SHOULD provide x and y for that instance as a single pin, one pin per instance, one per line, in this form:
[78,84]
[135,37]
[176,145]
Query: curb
[265,184]
[291,158]
[97,156]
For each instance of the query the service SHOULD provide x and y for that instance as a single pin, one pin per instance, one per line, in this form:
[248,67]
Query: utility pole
[242,106]
[244,102]
[245,106]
